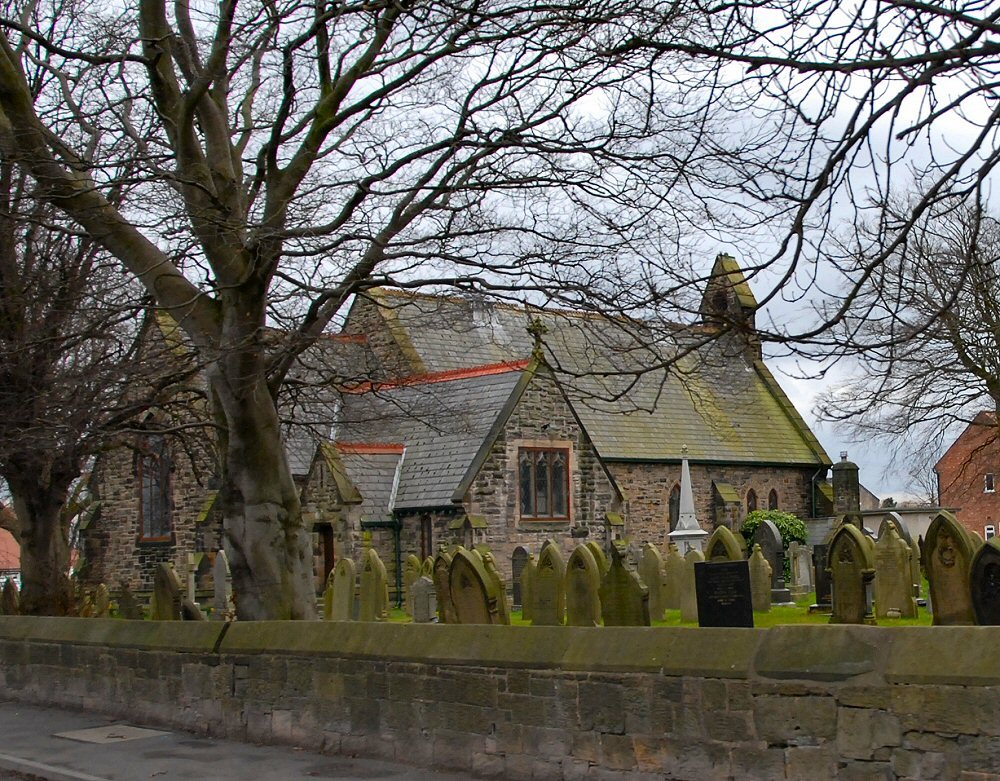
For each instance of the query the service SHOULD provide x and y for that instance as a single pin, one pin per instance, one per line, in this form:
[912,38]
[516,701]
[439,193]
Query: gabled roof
[443,421]
[724,406]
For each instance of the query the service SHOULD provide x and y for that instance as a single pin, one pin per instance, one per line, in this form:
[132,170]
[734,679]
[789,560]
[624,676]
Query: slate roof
[443,424]
[719,404]
[372,471]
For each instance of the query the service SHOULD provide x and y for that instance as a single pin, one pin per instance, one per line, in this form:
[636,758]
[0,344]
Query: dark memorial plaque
[723,590]
[824,586]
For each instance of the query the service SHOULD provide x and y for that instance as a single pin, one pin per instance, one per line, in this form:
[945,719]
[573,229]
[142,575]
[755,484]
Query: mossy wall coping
[914,655]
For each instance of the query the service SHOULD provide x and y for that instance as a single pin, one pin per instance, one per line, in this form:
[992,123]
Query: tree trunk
[269,549]
[46,589]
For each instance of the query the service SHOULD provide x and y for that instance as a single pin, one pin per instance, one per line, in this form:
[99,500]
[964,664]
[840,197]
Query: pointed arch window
[675,506]
[153,478]
[772,500]
[751,500]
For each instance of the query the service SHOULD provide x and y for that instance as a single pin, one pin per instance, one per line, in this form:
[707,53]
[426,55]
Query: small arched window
[751,500]
[772,500]
[675,506]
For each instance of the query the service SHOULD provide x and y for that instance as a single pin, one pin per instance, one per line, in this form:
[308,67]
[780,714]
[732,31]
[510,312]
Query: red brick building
[968,475]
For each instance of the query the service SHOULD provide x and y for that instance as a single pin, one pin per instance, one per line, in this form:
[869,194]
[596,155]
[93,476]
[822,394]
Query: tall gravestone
[772,546]
[442,570]
[411,571]
[948,552]
[427,567]
[518,560]
[374,605]
[503,606]
[128,607]
[821,578]
[800,561]
[166,594]
[222,584]
[723,546]
[893,589]
[984,581]
[102,601]
[760,581]
[340,590]
[583,584]
[852,572]
[673,573]
[651,572]
[549,608]
[624,597]
[473,592]
[528,572]
[689,593]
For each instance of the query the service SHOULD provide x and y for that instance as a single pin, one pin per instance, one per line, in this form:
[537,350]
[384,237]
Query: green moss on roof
[726,492]
[349,494]
[206,507]
[726,267]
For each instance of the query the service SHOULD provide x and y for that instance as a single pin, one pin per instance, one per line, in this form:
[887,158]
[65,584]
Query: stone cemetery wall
[794,702]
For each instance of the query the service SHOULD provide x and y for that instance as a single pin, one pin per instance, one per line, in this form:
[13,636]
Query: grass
[779,615]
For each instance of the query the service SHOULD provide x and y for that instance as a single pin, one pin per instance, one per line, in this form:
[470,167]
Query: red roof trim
[370,448]
[448,376]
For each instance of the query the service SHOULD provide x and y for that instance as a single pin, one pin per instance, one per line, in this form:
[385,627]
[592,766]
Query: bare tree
[73,374]
[926,332]
[294,154]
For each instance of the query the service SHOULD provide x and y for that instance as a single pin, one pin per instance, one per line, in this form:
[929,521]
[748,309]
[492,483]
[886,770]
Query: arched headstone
[374,597]
[723,546]
[549,606]
[473,592]
[673,572]
[528,574]
[893,589]
[166,594]
[852,571]
[651,572]
[583,584]
[338,599]
[760,581]
[599,556]
[411,571]
[442,568]
[948,552]
[517,561]
[689,591]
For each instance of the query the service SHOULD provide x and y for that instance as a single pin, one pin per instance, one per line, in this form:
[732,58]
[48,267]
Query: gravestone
[102,601]
[338,599]
[893,589]
[503,606]
[166,594]
[852,572]
[374,603]
[821,578]
[517,561]
[948,553]
[723,546]
[915,574]
[724,596]
[651,572]
[673,572]
[411,571]
[772,546]
[528,573]
[549,606]
[424,601]
[190,611]
[222,583]
[689,593]
[583,585]
[128,607]
[442,570]
[896,520]
[800,560]
[9,598]
[760,581]
[599,556]
[984,581]
[427,567]
[473,592]
[624,597]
